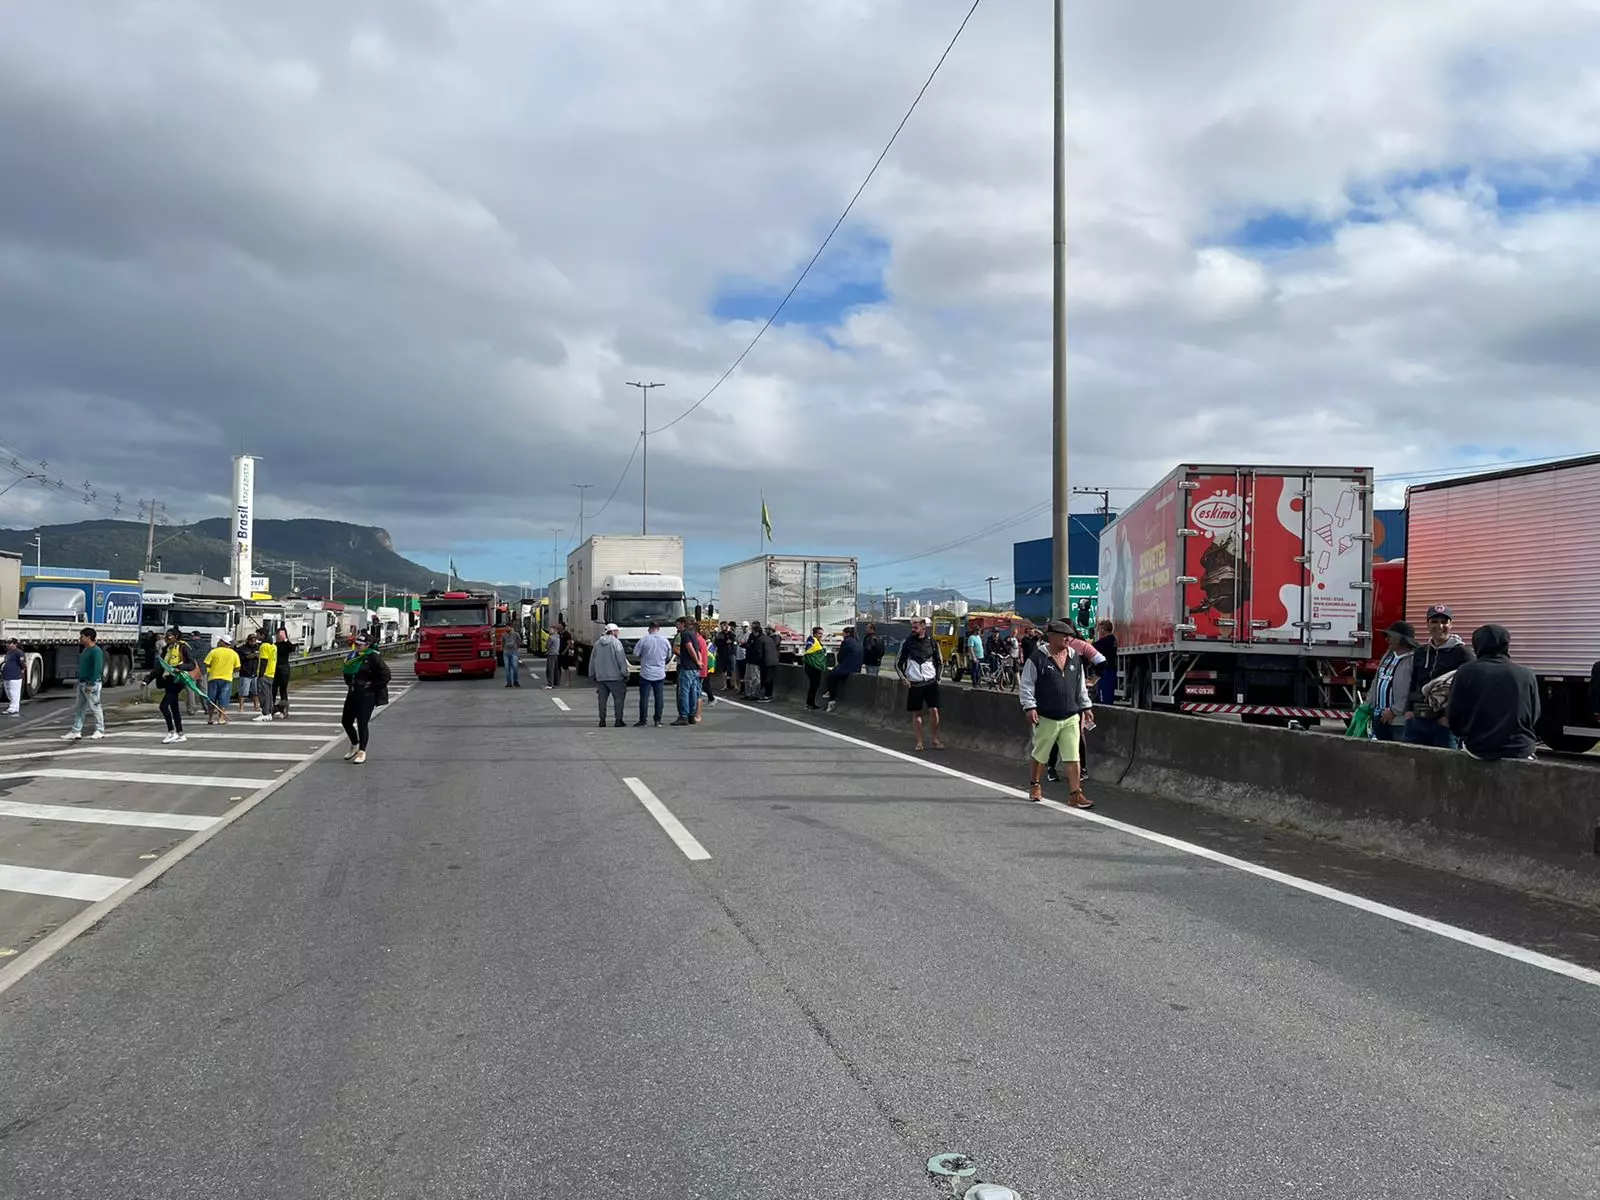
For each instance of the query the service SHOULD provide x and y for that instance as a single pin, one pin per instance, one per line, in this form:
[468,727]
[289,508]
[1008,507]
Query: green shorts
[1063,734]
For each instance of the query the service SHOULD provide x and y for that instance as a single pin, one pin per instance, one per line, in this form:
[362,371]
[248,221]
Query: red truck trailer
[457,635]
[1519,548]
[1243,589]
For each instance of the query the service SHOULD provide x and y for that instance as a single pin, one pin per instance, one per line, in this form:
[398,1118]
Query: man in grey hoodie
[1392,687]
[1441,654]
[608,667]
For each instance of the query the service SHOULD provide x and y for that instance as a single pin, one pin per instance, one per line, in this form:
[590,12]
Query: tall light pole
[990,582]
[555,544]
[38,544]
[644,434]
[582,488]
[1061,579]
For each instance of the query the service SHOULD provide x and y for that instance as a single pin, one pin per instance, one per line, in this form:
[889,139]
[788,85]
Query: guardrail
[328,656]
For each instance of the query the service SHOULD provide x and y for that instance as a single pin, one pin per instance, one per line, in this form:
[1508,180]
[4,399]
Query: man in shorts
[1055,699]
[919,667]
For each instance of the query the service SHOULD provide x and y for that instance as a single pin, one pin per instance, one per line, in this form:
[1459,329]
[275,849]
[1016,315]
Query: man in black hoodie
[1494,702]
[1442,653]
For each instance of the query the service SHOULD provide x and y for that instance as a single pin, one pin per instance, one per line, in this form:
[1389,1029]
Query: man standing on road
[872,651]
[845,664]
[554,641]
[691,657]
[512,648]
[654,652]
[91,672]
[1442,653]
[1055,697]
[266,675]
[280,681]
[221,663]
[771,654]
[11,675]
[815,658]
[919,666]
[249,661]
[608,667]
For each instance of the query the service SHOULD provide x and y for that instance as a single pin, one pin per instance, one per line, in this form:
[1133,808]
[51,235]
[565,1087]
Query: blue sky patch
[849,275]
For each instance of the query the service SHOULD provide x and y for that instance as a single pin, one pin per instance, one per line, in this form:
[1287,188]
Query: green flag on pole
[766,519]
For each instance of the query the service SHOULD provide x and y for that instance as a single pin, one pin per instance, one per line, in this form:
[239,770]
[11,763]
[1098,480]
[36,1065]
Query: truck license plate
[455,671]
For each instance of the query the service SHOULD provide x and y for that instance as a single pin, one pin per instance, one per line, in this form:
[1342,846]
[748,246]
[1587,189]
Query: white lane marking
[1466,937]
[560,703]
[68,885]
[139,777]
[261,734]
[275,725]
[153,751]
[47,947]
[105,816]
[685,840]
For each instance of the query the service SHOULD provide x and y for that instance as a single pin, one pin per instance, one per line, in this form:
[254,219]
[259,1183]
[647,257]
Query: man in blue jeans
[654,652]
[91,671]
[511,648]
[691,657]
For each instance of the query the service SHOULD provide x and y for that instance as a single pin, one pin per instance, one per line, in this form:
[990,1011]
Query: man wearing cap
[222,663]
[1442,653]
[1055,698]
[1389,692]
[608,667]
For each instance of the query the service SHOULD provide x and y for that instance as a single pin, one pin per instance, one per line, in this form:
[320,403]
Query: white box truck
[628,580]
[792,593]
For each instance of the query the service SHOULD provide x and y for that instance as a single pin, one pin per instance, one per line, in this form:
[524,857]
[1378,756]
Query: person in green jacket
[91,673]
[815,658]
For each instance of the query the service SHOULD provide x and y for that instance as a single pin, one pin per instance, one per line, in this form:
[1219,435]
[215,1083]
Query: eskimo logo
[123,608]
[1217,514]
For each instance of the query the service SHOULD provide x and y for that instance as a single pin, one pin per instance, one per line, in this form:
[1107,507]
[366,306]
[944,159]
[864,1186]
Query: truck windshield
[457,618]
[199,618]
[635,611]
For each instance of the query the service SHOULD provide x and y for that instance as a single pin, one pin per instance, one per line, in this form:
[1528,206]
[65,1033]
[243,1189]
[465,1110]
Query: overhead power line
[789,295]
[620,479]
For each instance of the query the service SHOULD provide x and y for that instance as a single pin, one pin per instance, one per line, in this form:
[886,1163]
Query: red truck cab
[456,635]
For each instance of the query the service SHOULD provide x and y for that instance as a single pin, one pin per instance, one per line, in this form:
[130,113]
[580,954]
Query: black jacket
[1494,702]
[872,651]
[1428,664]
[371,676]
[769,650]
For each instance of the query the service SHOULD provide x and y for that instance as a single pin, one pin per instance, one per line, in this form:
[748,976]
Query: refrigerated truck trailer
[794,592]
[1521,549]
[1243,590]
[49,625]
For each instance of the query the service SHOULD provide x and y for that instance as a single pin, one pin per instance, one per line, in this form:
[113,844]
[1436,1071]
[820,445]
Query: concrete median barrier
[1541,807]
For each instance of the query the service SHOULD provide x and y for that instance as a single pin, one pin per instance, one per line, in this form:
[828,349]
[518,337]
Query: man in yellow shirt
[221,666]
[266,676]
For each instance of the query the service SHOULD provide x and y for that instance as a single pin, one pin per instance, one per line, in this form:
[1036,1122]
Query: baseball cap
[1440,612]
[611,628]
[225,639]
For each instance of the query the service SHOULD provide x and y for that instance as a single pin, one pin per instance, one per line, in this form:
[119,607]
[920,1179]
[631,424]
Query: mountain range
[300,550]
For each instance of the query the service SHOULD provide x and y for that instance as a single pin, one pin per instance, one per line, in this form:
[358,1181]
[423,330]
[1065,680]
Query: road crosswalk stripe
[106,816]
[154,752]
[235,782]
[68,885]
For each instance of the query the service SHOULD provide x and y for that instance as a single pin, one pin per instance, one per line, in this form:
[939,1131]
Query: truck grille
[455,649]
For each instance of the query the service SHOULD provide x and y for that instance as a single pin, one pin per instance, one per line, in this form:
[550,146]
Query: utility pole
[582,488]
[291,576]
[366,594]
[1061,572]
[991,581]
[150,538]
[330,583]
[386,595]
[555,544]
[38,544]
[1103,493]
[644,434]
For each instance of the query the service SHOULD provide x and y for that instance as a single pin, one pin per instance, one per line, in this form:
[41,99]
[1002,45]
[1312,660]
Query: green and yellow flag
[766,519]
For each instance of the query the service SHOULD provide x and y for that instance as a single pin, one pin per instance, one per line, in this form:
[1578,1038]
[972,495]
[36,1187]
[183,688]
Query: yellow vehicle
[955,652]
[947,635]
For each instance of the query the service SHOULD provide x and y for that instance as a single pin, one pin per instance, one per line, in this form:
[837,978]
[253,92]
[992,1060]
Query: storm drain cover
[953,1166]
[991,1191]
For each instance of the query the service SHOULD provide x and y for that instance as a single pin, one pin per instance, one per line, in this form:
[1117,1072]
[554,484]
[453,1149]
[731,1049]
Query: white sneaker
[72,736]
[351,753]
[169,739]
[97,735]
[178,737]
[261,718]
[361,757]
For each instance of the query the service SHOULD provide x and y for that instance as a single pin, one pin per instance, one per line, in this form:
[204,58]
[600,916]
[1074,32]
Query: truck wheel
[33,676]
[121,670]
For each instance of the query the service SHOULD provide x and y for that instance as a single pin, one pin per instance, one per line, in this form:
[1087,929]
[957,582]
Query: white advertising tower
[244,491]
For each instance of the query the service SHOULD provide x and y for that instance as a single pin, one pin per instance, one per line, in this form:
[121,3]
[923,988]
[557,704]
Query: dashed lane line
[684,840]
[560,703]
[105,816]
[235,782]
[67,885]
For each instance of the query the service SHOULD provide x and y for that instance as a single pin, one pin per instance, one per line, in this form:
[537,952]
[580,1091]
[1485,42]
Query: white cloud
[455,232]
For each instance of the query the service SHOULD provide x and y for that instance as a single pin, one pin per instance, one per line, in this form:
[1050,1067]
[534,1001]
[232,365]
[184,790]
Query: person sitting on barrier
[1055,697]
[1494,702]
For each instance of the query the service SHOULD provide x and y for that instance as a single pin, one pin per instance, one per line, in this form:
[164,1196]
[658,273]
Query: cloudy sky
[412,251]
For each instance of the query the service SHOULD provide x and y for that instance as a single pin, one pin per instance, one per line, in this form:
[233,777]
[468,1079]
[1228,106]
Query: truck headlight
[424,654]
[485,653]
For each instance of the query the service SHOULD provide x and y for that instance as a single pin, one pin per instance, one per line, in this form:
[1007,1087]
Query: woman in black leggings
[173,662]
[366,678]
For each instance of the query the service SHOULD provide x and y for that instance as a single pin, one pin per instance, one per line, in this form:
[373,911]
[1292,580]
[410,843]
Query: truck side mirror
[594,612]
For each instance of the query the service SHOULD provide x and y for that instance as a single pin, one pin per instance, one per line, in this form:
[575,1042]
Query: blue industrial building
[1032,568]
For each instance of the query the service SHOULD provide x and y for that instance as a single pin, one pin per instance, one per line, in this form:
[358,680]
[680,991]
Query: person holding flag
[366,681]
[175,670]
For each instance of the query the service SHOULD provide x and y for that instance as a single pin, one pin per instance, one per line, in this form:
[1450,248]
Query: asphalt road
[481,966]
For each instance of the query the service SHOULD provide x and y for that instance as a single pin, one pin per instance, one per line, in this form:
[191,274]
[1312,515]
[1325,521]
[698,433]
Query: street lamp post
[582,488]
[1062,492]
[644,435]
[38,545]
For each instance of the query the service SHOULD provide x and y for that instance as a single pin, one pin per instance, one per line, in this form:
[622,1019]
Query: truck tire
[118,667]
[33,676]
